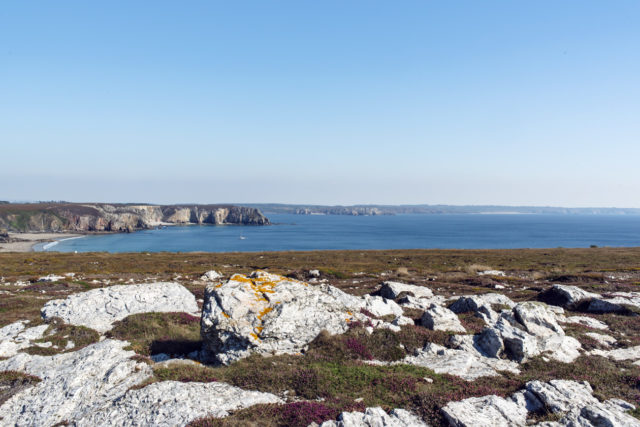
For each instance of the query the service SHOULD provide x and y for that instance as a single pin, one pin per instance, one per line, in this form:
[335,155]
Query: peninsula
[102,217]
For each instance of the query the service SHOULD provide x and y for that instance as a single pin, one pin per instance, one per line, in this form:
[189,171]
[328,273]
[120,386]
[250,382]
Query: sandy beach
[24,242]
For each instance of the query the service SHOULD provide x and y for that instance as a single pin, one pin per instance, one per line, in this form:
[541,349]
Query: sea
[323,232]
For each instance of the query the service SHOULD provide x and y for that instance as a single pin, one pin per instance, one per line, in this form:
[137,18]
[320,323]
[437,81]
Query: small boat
[242,237]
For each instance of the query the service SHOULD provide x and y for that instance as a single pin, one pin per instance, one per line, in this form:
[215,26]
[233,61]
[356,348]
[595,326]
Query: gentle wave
[46,246]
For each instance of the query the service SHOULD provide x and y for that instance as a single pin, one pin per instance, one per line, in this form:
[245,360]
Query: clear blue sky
[466,102]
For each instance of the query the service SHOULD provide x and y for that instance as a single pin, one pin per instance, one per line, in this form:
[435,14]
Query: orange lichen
[255,336]
[264,312]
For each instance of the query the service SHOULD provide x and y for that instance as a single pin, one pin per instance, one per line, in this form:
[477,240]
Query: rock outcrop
[17,336]
[100,308]
[572,402]
[73,384]
[57,217]
[270,314]
[376,417]
[393,290]
[172,403]
[572,297]
[468,365]
[530,329]
[438,318]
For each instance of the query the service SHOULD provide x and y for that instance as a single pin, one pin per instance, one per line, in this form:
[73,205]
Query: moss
[59,334]
[154,333]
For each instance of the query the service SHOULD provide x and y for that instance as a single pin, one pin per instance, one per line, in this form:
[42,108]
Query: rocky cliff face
[53,217]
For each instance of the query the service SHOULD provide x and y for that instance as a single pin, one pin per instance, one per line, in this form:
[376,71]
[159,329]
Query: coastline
[25,242]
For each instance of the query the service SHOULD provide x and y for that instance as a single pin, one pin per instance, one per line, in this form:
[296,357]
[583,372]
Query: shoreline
[25,242]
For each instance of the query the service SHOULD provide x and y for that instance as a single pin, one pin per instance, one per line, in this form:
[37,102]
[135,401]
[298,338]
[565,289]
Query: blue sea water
[315,232]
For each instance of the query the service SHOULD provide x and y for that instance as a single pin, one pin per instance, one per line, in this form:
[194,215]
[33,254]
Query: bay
[318,232]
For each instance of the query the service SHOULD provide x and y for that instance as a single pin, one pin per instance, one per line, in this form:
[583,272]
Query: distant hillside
[54,217]
[275,208]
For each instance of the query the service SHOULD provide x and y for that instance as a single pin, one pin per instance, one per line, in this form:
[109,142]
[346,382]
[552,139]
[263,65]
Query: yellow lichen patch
[264,312]
[225,315]
[255,336]
[259,328]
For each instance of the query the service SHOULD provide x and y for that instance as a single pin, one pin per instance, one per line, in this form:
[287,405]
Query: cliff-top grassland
[452,337]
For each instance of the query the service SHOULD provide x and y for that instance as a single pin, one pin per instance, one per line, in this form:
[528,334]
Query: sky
[324,102]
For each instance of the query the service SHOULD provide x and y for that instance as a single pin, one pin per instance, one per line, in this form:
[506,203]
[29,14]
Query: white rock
[403,320]
[99,309]
[73,384]
[392,290]
[562,395]
[211,275]
[571,400]
[314,273]
[50,278]
[376,417]
[492,273]
[463,364]
[481,304]
[17,336]
[439,318]
[631,353]
[537,318]
[602,339]
[379,306]
[420,303]
[266,313]
[589,322]
[487,411]
[172,403]
[529,330]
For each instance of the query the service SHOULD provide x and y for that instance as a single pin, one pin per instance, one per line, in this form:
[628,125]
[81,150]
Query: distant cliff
[339,210]
[53,217]
[275,208]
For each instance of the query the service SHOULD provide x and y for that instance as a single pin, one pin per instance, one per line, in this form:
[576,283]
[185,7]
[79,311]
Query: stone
[402,321]
[73,384]
[314,273]
[468,303]
[529,330]
[631,353]
[492,273]
[438,318]
[376,417]
[391,290]
[562,395]
[566,296]
[379,306]
[271,314]
[589,322]
[464,364]
[16,336]
[100,308]
[606,306]
[573,402]
[407,301]
[50,278]
[602,339]
[211,275]
[537,318]
[482,305]
[487,411]
[172,403]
